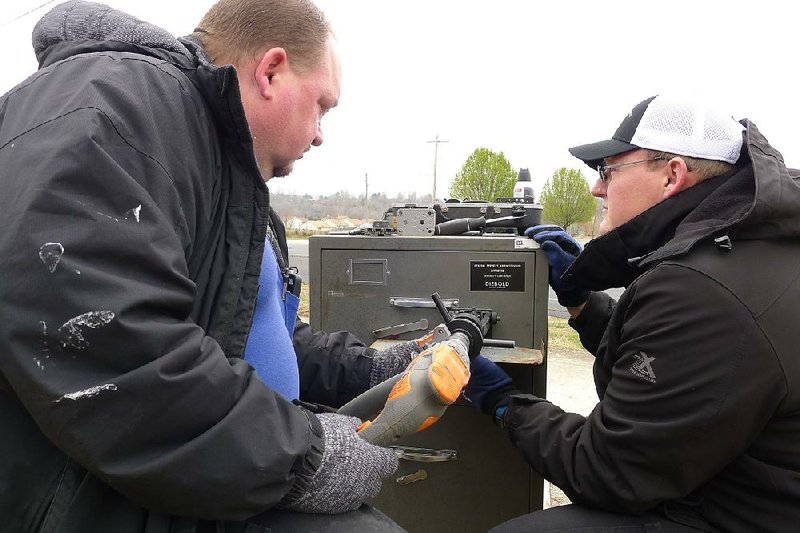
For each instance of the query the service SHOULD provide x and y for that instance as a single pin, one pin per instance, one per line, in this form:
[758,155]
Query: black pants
[365,518]
[576,518]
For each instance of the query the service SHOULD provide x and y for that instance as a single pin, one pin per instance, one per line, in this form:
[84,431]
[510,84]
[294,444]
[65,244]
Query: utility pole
[436,143]
[366,188]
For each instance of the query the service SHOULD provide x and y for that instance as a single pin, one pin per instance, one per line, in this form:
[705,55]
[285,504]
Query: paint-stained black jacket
[133,221]
[698,364]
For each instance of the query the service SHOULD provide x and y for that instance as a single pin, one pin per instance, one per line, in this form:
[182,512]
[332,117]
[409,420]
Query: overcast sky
[526,78]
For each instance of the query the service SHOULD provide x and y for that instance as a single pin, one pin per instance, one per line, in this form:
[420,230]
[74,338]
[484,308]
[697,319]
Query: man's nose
[599,188]
[318,137]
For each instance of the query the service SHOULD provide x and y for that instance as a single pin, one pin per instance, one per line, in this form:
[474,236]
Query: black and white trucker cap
[670,124]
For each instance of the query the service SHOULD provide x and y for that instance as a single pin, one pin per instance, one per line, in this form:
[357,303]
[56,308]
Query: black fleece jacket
[697,365]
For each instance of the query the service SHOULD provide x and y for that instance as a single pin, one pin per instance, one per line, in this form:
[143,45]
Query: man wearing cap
[697,365]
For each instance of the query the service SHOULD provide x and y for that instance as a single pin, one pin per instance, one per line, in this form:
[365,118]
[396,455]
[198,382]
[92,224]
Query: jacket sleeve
[693,383]
[592,321]
[334,368]
[99,344]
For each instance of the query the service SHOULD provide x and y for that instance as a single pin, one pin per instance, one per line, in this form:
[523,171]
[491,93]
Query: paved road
[298,256]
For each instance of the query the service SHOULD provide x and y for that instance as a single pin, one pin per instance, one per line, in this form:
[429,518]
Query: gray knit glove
[351,470]
[391,361]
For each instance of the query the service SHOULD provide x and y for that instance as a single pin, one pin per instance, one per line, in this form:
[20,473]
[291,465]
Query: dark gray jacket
[134,220]
[698,364]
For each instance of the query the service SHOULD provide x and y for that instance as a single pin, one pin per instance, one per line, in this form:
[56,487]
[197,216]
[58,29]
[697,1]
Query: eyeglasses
[605,170]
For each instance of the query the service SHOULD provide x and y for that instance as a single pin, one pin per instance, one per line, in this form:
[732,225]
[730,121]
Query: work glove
[391,361]
[350,472]
[561,250]
[489,388]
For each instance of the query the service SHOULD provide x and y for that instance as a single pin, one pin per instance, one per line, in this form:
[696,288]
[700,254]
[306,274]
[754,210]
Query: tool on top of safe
[452,218]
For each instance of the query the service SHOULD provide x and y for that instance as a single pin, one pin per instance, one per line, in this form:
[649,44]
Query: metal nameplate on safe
[497,276]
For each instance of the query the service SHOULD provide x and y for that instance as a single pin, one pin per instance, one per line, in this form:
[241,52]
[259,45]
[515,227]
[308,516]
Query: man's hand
[489,387]
[391,361]
[561,250]
[351,471]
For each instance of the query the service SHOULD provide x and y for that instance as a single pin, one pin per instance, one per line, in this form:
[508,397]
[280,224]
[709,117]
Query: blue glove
[561,250]
[489,387]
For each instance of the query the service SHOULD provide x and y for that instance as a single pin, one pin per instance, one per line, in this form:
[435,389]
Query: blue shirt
[269,347]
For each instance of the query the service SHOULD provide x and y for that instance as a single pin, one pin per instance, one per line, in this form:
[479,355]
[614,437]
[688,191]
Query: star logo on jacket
[642,368]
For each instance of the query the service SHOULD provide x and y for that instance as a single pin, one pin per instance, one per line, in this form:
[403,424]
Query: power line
[436,143]
[6,23]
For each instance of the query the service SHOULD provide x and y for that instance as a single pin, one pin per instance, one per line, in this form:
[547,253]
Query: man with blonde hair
[134,216]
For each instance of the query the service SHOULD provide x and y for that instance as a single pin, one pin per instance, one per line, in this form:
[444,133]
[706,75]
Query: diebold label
[497,276]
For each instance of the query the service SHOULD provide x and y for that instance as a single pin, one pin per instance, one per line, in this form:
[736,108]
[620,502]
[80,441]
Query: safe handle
[427,303]
[424,455]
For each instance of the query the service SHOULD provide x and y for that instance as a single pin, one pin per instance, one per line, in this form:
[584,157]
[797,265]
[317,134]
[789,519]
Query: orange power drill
[417,397]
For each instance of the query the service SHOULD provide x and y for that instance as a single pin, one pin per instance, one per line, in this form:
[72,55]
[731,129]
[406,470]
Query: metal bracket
[389,331]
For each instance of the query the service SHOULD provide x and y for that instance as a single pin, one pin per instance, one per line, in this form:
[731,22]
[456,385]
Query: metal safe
[467,477]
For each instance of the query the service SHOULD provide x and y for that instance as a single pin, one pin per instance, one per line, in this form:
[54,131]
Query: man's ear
[678,177]
[268,71]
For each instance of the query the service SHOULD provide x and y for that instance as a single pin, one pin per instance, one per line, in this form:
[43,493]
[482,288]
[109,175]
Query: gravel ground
[571,387]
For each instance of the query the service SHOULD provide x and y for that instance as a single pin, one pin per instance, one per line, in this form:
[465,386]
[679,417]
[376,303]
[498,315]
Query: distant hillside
[341,204]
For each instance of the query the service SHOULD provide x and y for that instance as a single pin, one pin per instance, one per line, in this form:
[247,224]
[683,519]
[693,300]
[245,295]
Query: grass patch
[303,310]
[294,235]
[560,335]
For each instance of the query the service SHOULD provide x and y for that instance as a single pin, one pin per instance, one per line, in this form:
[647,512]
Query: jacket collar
[615,259]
